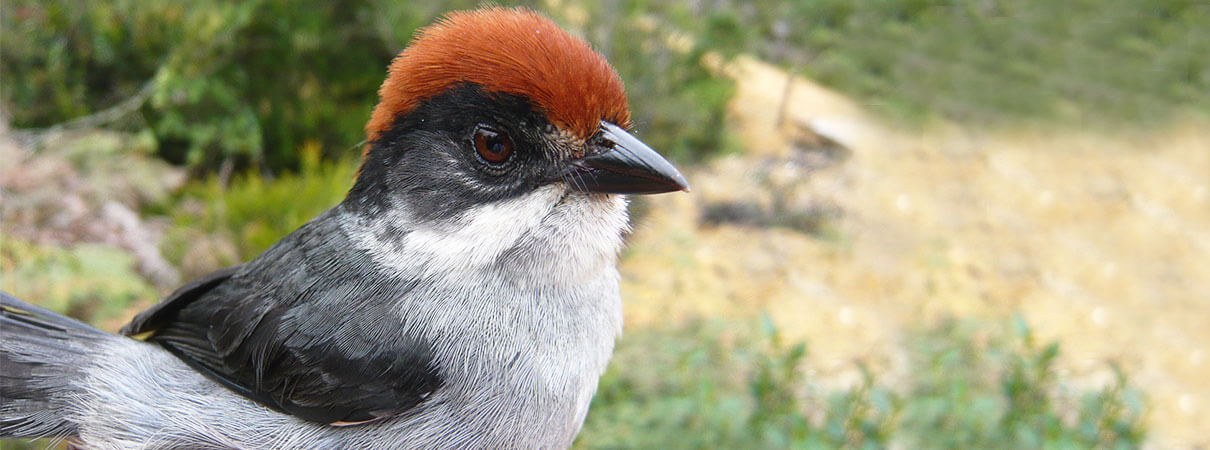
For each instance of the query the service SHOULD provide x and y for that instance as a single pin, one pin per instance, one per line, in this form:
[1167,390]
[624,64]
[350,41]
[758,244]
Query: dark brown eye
[493,146]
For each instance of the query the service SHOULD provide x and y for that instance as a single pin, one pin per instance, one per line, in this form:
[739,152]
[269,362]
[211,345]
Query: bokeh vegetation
[969,385]
[96,282]
[263,103]
[1006,62]
[251,212]
[249,81]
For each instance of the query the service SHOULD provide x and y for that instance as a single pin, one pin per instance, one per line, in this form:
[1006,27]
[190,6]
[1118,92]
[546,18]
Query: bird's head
[493,105]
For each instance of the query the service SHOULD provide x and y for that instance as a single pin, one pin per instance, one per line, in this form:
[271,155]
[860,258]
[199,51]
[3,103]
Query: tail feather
[41,354]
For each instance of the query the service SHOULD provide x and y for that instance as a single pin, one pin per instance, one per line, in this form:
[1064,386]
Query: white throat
[551,235]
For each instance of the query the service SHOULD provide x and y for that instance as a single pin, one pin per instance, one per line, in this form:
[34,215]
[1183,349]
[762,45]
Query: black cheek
[437,184]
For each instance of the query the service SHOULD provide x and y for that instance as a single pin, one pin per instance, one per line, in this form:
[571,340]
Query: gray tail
[42,354]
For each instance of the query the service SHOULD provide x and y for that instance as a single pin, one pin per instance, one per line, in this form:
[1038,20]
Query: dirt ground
[1100,242]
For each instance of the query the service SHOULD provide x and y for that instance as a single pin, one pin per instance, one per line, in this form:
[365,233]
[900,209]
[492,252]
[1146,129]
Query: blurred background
[914,224]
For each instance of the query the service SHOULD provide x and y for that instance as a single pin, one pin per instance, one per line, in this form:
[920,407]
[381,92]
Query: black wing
[302,330]
[155,316]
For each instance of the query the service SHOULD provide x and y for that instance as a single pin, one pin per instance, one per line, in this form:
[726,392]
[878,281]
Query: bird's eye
[493,146]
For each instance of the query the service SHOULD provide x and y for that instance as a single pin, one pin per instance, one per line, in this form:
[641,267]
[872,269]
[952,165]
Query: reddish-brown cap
[513,51]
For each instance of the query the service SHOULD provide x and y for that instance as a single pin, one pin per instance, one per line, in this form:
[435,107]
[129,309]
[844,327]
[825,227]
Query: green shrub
[982,388]
[248,82]
[969,385]
[64,59]
[705,386]
[245,81]
[253,212]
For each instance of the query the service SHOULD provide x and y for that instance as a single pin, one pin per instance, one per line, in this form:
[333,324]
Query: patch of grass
[709,385]
[90,282]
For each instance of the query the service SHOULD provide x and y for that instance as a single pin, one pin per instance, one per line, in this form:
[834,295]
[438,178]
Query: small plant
[1030,417]
[865,416]
[977,387]
[860,417]
[776,386]
[1112,418]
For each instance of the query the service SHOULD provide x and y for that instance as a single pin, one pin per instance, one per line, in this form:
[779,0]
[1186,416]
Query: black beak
[626,166]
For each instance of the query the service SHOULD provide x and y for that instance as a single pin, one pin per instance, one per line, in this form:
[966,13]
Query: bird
[464,294]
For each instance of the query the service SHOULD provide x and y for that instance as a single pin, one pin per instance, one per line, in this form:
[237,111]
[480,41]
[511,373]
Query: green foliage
[64,59]
[860,417]
[704,387]
[248,82]
[253,212]
[968,386]
[91,282]
[1110,418]
[986,390]
[253,80]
